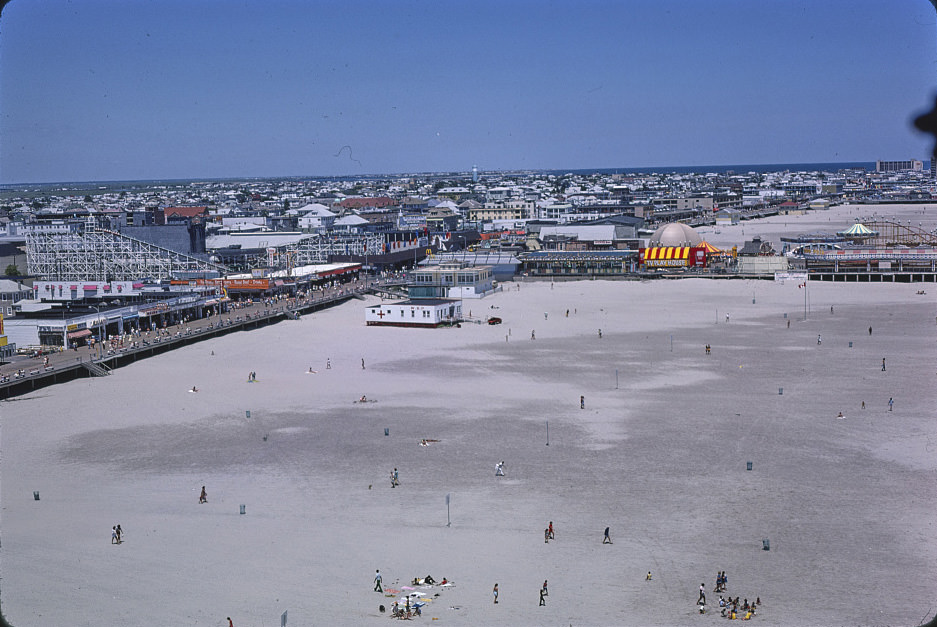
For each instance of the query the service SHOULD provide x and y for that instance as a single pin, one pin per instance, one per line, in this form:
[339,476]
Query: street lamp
[97,324]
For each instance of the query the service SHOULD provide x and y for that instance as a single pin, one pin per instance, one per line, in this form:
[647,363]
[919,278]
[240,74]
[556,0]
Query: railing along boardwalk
[23,376]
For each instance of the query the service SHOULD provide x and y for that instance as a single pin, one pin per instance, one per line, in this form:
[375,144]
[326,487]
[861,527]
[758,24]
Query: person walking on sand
[377,581]
[119,533]
[546,536]
[230,623]
[114,535]
[203,497]
[648,577]
[606,539]
[499,469]
[550,529]
[542,601]
[328,363]
[533,335]
[819,340]
[544,590]
[891,403]
[582,402]
[702,595]
[362,363]
[883,364]
[494,591]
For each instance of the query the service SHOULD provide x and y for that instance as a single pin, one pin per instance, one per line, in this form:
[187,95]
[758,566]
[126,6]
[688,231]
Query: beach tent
[711,250]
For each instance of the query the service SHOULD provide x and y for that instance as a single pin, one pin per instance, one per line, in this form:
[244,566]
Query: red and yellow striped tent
[712,250]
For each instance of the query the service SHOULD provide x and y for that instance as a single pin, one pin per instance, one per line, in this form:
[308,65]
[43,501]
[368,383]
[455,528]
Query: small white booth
[417,312]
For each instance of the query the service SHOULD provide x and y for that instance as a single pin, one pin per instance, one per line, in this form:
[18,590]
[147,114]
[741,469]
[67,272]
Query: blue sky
[132,89]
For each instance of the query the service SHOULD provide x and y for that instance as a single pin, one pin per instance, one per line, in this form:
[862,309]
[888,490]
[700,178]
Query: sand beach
[658,453]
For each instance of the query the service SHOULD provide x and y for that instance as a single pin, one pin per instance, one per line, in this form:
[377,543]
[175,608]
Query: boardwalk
[23,376]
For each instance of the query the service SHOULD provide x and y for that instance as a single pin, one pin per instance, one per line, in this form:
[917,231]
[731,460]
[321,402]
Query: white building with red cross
[418,312]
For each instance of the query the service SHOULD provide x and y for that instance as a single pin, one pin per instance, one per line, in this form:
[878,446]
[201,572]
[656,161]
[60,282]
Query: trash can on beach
[36,495]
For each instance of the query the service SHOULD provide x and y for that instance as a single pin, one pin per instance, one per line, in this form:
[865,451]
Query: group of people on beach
[721,581]
[729,607]
[406,610]
[116,533]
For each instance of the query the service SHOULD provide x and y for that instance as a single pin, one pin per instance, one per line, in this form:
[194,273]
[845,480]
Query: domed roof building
[675,234]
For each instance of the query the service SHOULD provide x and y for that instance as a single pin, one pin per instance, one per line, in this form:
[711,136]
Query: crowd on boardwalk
[132,339]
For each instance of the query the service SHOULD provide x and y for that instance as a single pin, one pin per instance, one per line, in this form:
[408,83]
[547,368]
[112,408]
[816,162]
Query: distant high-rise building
[933,166]
[899,166]
[474,173]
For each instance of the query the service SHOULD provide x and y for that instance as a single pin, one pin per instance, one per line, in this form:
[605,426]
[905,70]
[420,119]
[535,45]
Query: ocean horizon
[736,168]
[762,168]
